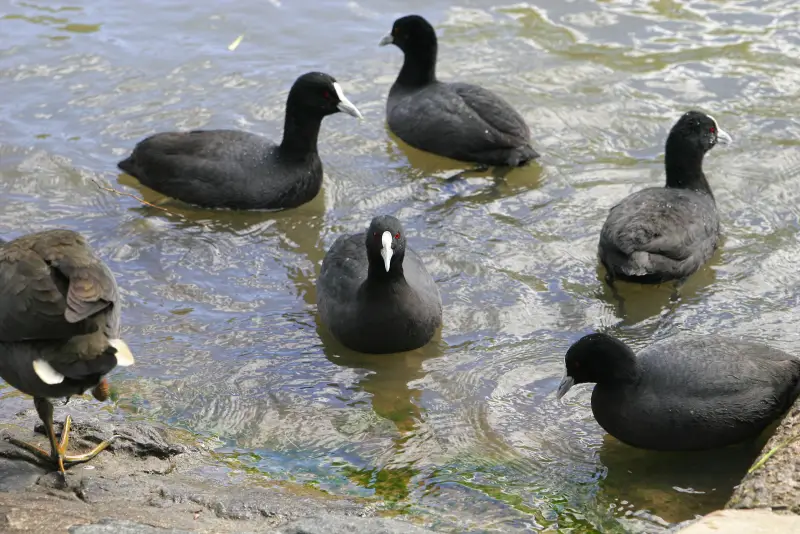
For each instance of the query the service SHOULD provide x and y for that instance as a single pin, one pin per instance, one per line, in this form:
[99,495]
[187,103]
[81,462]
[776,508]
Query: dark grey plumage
[684,393]
[457,120]
[667,233]
[374,307]
[241,170]
[59,320]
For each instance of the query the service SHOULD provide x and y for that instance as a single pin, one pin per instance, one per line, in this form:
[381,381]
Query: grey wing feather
[49,284]
[346,258]
[478,120]
[737,366]
[496,112]
[667,225]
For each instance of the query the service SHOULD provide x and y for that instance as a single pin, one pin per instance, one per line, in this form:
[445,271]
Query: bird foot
[58,455]
[467,172]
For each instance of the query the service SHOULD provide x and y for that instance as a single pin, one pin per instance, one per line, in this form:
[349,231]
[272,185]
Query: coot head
[697,131]
[386,244]
[320,93]
[411,33]
[598,358]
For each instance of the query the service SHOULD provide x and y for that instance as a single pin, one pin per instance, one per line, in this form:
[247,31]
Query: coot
[667,233]
[240,170]
[59,328]
[375,295]
[457,120]
[684,393]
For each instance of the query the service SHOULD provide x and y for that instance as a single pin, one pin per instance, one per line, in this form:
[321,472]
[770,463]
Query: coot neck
[624,371]
[684,166]
[300,130]
[419,66]
[613,362]
[376,273]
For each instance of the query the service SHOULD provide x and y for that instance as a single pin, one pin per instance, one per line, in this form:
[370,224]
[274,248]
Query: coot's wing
[343,270]
[439,119]
[422,282]
[193,166]
[507,123]
[699,393]
[710,367]
[50,284]
[667,222]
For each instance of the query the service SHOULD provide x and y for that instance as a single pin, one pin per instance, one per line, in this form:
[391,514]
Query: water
[467,431]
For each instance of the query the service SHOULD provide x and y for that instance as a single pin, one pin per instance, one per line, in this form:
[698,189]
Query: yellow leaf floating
[235,43]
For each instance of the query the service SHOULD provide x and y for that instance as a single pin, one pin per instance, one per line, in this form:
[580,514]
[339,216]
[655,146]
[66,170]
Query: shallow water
[467,431]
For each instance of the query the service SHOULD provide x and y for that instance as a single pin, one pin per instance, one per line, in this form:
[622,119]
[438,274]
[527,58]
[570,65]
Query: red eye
[326,94]
[397,235]
[712,130]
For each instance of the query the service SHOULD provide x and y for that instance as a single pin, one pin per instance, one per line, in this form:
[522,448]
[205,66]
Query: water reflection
[677,485]
[454,179]
[636,303]
[387,377]
[299,231]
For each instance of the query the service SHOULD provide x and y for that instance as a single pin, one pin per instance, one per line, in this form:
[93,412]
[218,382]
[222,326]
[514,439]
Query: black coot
[457,120]
[667,233]
[684,393]
[59,327]
[375,295]
[241,170]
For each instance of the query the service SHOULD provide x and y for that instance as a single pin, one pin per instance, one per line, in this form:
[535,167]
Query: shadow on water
[676,485]
[635,303]
[386,377]
[478,187]
[299,230]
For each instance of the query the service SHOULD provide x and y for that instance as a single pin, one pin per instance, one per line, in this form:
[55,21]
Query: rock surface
[745,522]
[772,487]
[776,484]
[149,483]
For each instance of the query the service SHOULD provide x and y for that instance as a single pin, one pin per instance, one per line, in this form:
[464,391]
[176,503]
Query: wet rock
[17,475]
[147,482]
[744,522]
[138,439]
[112,526]
[776,484]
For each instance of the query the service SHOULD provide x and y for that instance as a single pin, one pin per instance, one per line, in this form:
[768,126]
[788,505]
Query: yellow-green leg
[58,450]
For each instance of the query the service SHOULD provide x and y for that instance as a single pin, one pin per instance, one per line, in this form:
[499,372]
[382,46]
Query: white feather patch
[46,373]
[124,354]
[339,92]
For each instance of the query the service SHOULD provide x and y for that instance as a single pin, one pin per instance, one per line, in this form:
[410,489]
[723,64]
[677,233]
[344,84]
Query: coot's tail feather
[526,155]
[128,165]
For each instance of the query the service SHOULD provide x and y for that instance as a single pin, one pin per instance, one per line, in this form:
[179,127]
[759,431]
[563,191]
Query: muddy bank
[148,481]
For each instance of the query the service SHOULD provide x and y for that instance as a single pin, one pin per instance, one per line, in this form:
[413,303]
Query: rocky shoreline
[768,498]
[148,482]
[153,480]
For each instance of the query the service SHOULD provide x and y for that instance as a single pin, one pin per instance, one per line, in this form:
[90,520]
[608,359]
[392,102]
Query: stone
[745,522]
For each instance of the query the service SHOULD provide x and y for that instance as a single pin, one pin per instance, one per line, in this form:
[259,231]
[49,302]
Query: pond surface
[467,431]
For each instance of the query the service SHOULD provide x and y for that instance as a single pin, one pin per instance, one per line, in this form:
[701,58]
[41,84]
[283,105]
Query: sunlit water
[466,432]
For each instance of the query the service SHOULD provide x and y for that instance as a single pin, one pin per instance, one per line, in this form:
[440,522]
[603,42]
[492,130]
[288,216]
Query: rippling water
[467,431]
